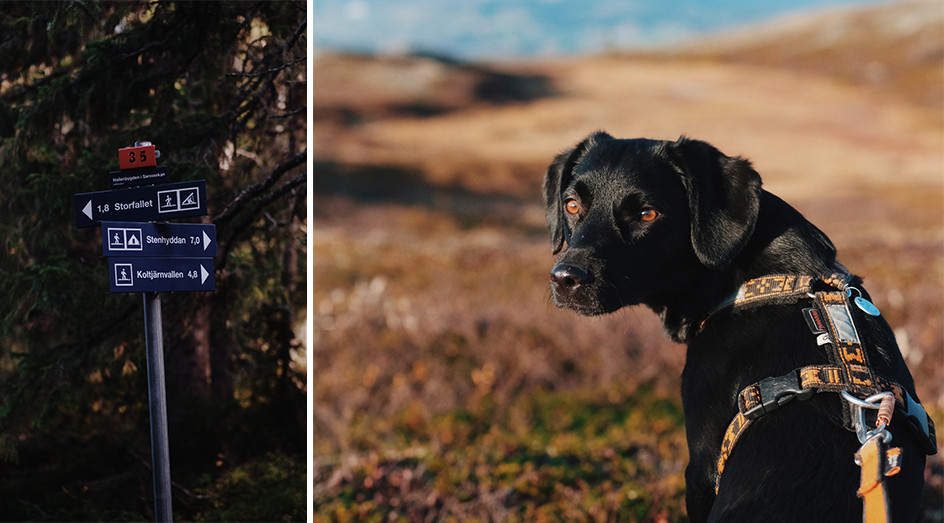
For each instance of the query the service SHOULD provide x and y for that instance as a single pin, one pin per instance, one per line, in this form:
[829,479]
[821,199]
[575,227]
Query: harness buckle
[776,392]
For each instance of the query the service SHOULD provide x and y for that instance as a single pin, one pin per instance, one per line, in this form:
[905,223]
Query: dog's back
[684,229]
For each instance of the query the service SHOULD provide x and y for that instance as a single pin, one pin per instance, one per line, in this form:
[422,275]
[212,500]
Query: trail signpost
[159,240]
[160,274]
[150,258]
[149,203]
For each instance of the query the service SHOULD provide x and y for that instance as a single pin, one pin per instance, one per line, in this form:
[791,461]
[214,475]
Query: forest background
[220,88]
[445,383]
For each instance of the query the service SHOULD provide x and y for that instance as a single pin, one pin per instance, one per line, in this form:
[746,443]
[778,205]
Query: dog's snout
[569,276]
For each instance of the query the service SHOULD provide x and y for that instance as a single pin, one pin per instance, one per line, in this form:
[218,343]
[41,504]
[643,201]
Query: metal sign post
[149,258]
[160,448]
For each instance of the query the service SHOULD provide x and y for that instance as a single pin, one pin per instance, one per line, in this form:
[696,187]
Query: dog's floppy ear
[558,177]
[723,196]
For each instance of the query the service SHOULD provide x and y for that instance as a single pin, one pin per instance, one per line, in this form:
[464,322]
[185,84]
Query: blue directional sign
[144,204]
[156,240]
[160,274]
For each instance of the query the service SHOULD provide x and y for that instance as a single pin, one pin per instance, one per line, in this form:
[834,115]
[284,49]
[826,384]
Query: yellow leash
[877,460]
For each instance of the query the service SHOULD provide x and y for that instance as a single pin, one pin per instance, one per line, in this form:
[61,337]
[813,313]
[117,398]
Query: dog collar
[778,289]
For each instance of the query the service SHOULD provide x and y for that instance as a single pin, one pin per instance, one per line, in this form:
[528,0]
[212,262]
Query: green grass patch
[578,456]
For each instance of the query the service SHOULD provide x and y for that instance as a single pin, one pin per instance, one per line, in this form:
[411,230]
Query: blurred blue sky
[490,29]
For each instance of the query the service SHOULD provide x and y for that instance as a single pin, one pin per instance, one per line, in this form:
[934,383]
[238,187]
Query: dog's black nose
[569,276]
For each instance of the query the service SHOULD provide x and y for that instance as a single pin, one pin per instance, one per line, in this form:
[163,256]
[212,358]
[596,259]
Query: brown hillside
[896,49]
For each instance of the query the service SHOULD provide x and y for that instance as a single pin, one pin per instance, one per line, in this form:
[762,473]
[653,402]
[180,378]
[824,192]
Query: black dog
[680,227]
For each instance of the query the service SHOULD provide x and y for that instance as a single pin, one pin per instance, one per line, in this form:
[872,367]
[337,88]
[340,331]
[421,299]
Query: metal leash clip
[883,402]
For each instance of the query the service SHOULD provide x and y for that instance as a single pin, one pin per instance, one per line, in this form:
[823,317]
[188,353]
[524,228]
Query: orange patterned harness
[849,373]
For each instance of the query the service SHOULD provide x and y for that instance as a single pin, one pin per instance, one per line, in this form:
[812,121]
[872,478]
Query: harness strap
[768,394]
[845,346]
[766,290]
[777,289]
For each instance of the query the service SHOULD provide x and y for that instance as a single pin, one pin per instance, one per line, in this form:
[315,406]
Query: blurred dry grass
[433,328]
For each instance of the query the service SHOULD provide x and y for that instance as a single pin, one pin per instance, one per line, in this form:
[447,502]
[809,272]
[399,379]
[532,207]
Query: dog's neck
[783,242]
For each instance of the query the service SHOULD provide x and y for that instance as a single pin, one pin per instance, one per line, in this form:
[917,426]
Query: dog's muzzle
[567,278]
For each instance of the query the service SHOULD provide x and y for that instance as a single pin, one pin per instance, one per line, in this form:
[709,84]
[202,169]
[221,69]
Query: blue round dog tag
[866,306]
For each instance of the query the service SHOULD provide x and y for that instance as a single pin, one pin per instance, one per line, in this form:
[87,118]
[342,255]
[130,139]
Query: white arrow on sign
[206,240]
[87,210]
[203,274]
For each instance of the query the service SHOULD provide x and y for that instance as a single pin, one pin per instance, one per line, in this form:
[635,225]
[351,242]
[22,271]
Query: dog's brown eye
[648,215]
[572,206]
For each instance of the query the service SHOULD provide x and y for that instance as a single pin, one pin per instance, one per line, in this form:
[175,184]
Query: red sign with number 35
[134,157]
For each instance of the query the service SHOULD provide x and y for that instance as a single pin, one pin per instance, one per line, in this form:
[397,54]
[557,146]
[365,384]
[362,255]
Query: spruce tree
[220,89]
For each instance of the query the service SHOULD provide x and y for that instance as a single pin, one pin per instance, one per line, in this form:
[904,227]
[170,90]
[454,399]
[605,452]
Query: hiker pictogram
[124,275]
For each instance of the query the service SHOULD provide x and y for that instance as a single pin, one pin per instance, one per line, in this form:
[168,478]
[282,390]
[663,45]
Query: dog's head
[642,218]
